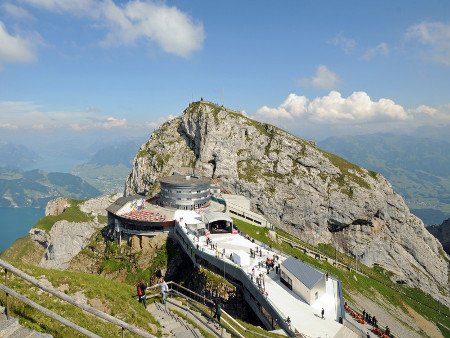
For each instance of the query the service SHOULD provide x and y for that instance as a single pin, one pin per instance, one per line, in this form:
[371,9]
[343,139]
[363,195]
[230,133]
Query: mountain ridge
[306,191]
[418,166]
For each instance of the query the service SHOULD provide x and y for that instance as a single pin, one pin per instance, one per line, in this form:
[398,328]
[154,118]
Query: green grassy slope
[372,281]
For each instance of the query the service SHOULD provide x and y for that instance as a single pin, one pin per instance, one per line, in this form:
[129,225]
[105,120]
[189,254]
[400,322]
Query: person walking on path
[323,312]
[140,289]
[163,287]
[218,311]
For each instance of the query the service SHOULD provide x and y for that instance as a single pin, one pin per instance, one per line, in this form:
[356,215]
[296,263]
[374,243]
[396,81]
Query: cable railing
[8,268]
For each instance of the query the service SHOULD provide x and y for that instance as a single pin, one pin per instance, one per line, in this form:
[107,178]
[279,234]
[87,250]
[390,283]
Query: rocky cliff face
[308,192]
[442,233]
[66,239]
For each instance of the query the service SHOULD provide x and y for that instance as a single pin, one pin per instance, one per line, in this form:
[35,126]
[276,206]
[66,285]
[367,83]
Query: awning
[214,216]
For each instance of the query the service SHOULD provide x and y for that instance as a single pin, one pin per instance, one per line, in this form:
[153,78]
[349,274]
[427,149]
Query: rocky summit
[313,194]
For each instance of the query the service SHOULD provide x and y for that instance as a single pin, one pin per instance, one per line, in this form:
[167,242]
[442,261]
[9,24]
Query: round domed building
[185,192]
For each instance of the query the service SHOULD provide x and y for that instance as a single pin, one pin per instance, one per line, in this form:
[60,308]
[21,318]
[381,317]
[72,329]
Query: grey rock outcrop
[65,241]
[97,206]
[308,192]
[56,207]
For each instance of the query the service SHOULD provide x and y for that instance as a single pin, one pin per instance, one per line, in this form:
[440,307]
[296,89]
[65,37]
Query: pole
[7,301]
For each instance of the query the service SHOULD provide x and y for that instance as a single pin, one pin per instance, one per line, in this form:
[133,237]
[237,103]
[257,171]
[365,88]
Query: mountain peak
[308,192]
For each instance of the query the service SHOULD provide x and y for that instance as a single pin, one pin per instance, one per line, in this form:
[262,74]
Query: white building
[303,279]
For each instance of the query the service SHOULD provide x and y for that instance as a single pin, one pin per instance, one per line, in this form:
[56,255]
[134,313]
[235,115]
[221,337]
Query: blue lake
[15,223]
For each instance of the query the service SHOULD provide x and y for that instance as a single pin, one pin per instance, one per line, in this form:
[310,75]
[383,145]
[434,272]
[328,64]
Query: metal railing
[97,313]
[197,300]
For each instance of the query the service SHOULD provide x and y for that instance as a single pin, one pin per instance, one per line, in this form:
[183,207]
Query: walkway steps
[171,324]
[10,328]
[174,326]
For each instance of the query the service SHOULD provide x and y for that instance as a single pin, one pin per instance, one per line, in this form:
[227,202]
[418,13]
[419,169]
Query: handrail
[48,312]
[171,283]
[70,300]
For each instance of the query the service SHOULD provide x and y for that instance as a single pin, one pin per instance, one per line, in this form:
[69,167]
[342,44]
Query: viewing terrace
[271,300]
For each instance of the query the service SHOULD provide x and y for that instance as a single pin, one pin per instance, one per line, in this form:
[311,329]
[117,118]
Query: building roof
[121,201]
[214,216]
[303,272]
[185,180]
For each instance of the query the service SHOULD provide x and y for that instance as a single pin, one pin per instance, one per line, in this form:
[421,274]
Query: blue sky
[317,68]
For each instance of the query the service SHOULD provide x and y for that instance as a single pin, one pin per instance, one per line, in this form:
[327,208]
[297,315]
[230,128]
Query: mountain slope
[16,156]
[109,166]
[311,193]
[35,188]
[417,167]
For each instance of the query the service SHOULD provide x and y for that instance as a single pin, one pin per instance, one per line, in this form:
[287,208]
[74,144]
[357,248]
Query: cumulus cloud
[16,11]
[381,49]
[167,26]
[333,108]
[14,48]
[293,106]
[323,79]
[434,35]
[343,42]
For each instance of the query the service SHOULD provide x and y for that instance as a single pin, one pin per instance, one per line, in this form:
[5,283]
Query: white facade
[310,295]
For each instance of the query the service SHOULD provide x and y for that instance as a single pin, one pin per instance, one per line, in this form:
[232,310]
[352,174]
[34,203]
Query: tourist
[140,288]
[218,311]
[323,312]
[164,288]
[387,331]
[288,322]
[375,322]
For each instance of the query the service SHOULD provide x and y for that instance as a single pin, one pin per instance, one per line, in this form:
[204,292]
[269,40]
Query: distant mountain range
[16,156]
[418,167]
[108,167]
[35,188]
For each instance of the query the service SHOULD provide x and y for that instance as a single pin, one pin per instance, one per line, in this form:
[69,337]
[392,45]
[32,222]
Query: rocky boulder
[306,191]
[65,241]
[57,206]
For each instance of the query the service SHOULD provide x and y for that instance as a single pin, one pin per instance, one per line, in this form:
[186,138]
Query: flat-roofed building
[303,279]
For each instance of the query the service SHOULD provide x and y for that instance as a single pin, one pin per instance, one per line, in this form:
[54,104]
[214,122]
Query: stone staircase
[174,326]
[10,328]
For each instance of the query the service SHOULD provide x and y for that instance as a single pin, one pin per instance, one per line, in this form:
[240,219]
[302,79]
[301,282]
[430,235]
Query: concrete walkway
[10,328]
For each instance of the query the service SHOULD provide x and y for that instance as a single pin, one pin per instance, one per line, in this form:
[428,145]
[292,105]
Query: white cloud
[333,108]
[293,106]
[435,35]
[27,115]
[323,79]
[14,49]
[173,30]
[7,126]
[345,43]
[16,11]
[427,110]
[381,49]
